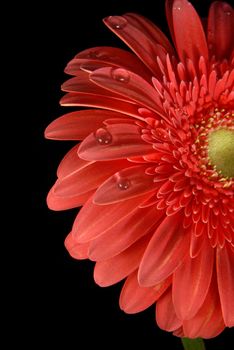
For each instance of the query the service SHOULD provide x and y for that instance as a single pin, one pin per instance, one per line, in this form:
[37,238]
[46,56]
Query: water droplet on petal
[177,8]
[101,55]
[117,22]
[121,75]
[123,183]
[92,54]
[103,137]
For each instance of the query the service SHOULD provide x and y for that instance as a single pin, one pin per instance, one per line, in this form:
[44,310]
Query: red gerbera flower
[155,169]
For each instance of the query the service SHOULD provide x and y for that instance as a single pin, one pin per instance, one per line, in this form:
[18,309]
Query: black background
[67,306]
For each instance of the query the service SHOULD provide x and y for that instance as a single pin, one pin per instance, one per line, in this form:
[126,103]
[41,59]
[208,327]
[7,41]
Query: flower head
[154,171]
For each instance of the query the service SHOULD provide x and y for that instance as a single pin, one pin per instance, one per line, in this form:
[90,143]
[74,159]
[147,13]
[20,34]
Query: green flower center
[221,151]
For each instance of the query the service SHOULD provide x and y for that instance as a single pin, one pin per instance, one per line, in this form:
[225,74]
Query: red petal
[71,162]
[195,242]
[55,202]
[125,233]
[89,100]
[208,322]
[191,282]
[138,39]
[134,298]
[165,251]
[165,313]
[76,250]
[220,29]
[93,220]
[190,38]
[77,125]
[151,29]
[82,83]
[113,270]
[169,7]
[225,274]
[124,140]
[128,85]
[127,183]
[87,178]
[98,57]
[179,332]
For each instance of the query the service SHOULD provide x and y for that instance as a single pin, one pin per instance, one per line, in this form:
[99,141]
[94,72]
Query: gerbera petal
[191,282]
[79,124]
[71,162]
[89,223]
[114,142]
[127,183]
[103,56]
[190,43]
[113,270]
[220,29]
[56,202]
[225,275]
[76,250]
[165,313]
[89,100]
[134,298]
[128,85]
[125,233]
[83,85]
[138,40]
[165,251]
[87,178]
[156,210]
[151,29]
[168,8]
[208,322]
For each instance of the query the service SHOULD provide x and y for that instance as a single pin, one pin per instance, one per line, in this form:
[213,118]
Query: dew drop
[92,54]
[101,55]
[117,22]
[121,75]
[123,183]
[103,137]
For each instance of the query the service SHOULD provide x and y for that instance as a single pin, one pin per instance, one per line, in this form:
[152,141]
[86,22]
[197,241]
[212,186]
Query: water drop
[121,75]
[103,137]
[101,55]
[92,54]
[117,22]
[123,183]
[177,8]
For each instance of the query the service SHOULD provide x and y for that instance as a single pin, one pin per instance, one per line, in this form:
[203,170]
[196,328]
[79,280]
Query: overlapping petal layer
[156,208]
